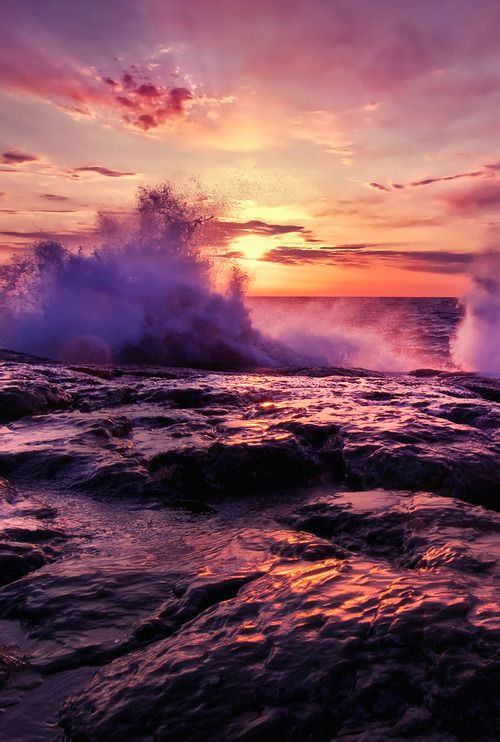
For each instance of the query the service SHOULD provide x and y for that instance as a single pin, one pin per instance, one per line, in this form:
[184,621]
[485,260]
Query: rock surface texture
[248,556]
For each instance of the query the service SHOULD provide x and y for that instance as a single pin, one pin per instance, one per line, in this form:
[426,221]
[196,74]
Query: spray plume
[146,295]
[476,346]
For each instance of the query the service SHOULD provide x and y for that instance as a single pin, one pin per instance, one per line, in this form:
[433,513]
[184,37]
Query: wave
[476,346]
[150,293]
[147,294]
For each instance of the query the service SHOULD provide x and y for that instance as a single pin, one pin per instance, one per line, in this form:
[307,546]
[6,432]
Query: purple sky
[353,142]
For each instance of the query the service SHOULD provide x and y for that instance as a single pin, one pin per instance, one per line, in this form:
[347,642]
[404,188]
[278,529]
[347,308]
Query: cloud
[303,255]
[140,95]
[480,198]
[410,222]
[378,186]
[30,237]
[256,226]
[231,255]
[75,172]
[431,181]
[14,157]
[54,197]
[147,105]
[14,212]
[365,256]
[486,171]
[323,128]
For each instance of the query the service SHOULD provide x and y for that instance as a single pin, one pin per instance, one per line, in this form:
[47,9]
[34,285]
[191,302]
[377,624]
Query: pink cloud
[75,172]
[378,186]
[54,197]
[477,199]
[486,171]
[136,99]
[15,157]
[148,106]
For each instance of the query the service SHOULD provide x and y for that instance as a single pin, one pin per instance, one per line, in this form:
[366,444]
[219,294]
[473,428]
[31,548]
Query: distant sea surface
[418,329]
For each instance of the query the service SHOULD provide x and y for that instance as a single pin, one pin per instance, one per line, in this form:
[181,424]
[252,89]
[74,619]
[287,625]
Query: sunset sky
[354,143]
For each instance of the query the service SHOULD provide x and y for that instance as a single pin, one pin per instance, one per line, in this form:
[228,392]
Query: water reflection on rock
[248,556]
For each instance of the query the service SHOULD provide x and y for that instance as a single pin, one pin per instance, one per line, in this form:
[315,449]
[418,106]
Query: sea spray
[337,330]
[151,294]
[476,346]
[146,295]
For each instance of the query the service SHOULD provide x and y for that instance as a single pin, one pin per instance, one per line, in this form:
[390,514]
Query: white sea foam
[476,346]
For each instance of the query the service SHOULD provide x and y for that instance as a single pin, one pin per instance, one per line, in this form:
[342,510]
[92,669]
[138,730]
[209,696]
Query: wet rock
[102,396]
[98,372]
[416,531]
[11,356]
[83,614]
[192,397]
[117,478]
[478,415]
[309,652]
[326,371]
[18,559]
[25,545]
[11,659]
[472,710]
[304,546]
[111,427]
[367,616]
[402,432]
[32,535]
[17,400]
[7,492]
[235,470]
[457,469]
[484,387]
[201,594]
[42,463]
[193,506]
[425,372]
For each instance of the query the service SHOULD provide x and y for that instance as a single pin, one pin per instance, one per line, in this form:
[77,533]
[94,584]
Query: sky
[352,143]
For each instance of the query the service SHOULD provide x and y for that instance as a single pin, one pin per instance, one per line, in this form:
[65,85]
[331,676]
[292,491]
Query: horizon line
[346,296]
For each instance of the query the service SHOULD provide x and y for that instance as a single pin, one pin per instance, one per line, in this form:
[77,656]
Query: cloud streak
[76,172]
[368,256]
[53,197]
[32,236]
[256,226]
[486,171]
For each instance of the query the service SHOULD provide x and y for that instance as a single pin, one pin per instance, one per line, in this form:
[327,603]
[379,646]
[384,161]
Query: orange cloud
[368,255]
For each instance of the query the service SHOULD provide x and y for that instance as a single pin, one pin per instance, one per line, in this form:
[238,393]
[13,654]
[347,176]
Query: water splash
[476,346]
[147,294]
[366,333]
[150,293]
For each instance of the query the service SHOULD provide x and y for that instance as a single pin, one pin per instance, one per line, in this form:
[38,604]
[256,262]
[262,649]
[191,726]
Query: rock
[237,469]
[306,652]
[17,400]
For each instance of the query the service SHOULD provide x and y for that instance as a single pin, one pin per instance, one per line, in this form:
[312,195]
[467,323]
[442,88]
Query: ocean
[413,331]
